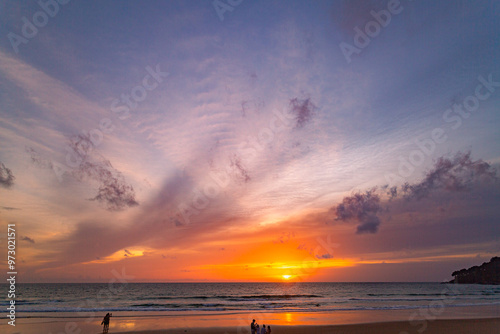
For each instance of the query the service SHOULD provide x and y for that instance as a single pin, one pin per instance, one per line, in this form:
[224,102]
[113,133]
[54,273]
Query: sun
[286,277]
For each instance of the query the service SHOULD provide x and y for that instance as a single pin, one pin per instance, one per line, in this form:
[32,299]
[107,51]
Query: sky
[230,140]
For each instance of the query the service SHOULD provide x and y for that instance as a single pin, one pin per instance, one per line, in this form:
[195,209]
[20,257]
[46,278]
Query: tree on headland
[487,273]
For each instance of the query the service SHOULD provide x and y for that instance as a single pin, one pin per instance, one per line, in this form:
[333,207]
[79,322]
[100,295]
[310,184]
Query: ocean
[228,298]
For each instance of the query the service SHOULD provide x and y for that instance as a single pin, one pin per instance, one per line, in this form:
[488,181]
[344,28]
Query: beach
[457,326]
[478,319]
[230,308]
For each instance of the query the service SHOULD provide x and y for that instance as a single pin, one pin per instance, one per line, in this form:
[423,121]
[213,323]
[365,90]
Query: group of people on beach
[256,329]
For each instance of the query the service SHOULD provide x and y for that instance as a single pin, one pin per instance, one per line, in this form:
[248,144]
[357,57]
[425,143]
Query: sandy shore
[455,326]
[456,320]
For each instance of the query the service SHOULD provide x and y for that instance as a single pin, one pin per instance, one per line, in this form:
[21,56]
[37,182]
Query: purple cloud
[324,256]
[303,109]
[460,173]
[6,176]
[115,195]
[113,192]
[362,208]
[457,174]
[235,162]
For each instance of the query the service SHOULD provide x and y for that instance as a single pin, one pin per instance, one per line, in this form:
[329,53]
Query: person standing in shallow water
[105,322]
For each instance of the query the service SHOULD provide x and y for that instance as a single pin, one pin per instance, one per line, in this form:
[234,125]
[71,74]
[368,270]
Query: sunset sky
[250,140]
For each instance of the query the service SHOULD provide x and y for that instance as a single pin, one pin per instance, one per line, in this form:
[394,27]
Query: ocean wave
[241,297]
[188,299]
[230,310]
[266,297]
[176,306]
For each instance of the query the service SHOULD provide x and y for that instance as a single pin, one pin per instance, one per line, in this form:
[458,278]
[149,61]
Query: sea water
[228,298]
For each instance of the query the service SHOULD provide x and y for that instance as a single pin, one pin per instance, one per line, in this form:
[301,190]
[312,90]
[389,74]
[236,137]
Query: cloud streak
[28,239]
[113,191]
[9,208]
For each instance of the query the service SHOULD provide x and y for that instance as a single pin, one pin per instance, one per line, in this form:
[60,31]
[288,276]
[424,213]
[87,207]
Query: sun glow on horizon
[286,277]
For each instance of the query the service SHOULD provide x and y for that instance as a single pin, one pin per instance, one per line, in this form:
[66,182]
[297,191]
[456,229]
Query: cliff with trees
[487,273]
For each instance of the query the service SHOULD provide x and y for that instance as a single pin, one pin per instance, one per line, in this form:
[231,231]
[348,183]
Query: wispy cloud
[6,176]
[113,190]
[303,109]
[9,208]
[456,174]
[28,239]
[324,256]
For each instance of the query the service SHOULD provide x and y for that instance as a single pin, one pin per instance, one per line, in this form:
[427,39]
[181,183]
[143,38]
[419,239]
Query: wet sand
[456,326]
[457,320]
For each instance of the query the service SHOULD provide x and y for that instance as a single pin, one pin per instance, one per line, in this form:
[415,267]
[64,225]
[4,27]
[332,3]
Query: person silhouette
[105,322]
[252,326]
